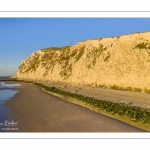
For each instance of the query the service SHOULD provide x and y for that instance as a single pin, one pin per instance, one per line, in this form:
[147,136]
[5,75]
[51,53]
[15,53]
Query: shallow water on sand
[6,92]
[7,85]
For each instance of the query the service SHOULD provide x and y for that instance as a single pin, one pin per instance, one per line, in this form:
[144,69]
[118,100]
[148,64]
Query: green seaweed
[133,113]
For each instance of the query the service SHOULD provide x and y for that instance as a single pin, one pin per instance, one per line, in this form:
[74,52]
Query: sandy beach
[39,111]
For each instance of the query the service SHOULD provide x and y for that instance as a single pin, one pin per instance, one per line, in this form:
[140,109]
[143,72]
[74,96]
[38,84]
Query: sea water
[6,92]
[7,85]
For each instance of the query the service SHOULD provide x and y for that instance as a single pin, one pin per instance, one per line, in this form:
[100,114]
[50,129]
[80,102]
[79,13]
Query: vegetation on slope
[63,57]
[129,88]
[80,53]
[143,45]
[32,64]
[95,54]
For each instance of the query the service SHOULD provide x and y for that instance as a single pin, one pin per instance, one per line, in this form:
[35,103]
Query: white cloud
[8,70]
[10,66]
[13,66]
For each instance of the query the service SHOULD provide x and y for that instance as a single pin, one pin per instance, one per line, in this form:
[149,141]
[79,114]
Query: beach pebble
[130,103]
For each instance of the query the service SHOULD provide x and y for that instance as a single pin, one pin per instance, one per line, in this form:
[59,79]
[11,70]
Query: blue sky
[19,37]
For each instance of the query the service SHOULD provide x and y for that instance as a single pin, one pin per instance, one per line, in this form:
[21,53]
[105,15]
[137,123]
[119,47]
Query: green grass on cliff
[63,56]
[141,46]
[54,48]
[96,53]
[129,88]
[79,55]
[34,62]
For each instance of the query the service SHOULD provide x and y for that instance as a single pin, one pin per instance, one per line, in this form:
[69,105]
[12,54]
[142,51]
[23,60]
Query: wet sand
[39,111]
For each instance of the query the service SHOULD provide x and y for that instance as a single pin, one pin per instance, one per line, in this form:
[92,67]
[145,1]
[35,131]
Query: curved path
[38,111]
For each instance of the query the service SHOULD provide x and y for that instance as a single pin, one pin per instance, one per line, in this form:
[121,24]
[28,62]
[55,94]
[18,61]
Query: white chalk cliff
[122,61]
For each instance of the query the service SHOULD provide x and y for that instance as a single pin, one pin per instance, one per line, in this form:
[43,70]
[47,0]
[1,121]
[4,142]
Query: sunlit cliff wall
[123,61]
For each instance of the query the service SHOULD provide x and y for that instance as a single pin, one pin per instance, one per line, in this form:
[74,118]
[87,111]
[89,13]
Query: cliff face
[123,61]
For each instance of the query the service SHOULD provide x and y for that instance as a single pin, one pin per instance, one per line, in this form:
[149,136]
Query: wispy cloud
[9,66]
[6,70]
